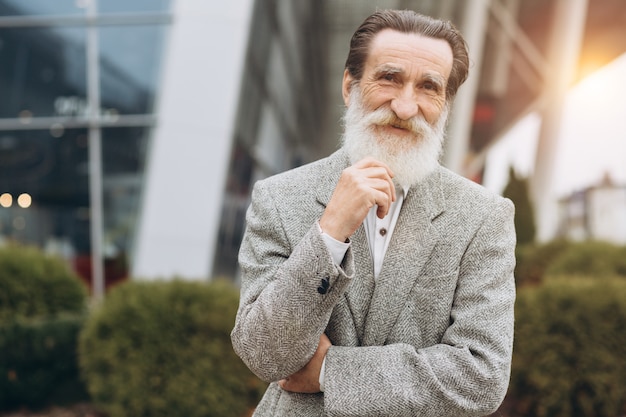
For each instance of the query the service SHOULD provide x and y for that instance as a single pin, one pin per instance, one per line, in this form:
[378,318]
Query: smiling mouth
[396,127]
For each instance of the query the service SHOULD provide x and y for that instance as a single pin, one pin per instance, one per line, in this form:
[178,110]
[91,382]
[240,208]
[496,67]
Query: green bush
[39,365]
[536,262]
[534,259]
[592,259]
[42,306]
[163,349]
[35,285]
[568,356]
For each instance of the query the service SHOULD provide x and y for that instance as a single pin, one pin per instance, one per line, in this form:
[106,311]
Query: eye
[388,76]
[430,86]
[433,88]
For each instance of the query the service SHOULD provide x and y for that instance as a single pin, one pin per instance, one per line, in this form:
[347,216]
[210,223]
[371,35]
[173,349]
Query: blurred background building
[597,212]
[132,131]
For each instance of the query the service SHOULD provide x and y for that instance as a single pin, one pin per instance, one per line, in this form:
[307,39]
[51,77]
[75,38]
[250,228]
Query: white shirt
[378,232]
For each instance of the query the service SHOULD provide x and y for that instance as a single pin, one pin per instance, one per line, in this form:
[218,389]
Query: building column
[474,29]
[189,151]
[563,53]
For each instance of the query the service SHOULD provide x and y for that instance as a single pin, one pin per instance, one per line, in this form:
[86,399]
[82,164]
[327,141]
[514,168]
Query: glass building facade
[78,81]
[281,105]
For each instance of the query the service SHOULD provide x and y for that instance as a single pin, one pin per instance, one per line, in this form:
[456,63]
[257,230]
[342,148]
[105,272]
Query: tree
[517,191]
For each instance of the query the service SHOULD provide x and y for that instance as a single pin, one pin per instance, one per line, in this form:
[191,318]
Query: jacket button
[323,288]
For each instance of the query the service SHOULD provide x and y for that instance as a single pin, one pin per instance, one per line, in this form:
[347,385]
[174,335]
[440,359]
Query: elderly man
[375,282]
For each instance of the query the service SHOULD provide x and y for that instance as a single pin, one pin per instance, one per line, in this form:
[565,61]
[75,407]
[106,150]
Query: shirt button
[382,231]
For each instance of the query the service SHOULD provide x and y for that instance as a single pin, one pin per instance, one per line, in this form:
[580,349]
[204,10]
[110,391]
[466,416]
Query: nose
[404,105]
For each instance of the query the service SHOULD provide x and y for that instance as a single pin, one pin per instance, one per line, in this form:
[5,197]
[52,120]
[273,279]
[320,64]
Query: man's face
[407,73]
[397,112]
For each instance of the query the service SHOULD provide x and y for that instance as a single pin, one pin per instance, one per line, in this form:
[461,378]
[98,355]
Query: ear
[346,86]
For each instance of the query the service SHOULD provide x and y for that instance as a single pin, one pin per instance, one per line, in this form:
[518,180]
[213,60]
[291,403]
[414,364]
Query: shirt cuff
[336,248]
[322,372]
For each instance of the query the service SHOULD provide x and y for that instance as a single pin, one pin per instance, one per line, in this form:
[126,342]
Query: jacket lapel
[376,304]
[359,295]
[411,244]
[327,182]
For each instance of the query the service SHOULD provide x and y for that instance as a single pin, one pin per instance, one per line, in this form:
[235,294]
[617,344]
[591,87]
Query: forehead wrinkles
[406,50]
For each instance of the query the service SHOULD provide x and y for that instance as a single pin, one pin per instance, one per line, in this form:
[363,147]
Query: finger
[368,162]
[371,169]
[386,186]
[382,174]
[383,193]
[383,202]
[375,170]
[283,383]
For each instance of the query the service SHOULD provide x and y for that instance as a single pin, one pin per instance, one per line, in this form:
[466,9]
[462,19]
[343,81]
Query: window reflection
[44,182]
[41,7]
[128,78]
[73,7]
[124,153]
[44,193]
[235,204]
[39,67]
[44,172]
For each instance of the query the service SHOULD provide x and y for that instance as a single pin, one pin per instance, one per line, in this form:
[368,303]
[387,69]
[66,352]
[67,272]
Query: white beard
[410,159]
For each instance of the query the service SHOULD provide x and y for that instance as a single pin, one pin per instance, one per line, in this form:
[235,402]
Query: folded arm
[282,314]
[467,373]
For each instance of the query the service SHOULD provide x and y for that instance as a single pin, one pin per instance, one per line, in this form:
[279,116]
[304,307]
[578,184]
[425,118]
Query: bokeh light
[24,200]
[6,200]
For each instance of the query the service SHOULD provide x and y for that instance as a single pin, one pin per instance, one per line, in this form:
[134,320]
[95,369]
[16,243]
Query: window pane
[123,161]
[51,168]
[130,58]
[124,150]
[42,72]
[236,201]
[41,7]
[124,6]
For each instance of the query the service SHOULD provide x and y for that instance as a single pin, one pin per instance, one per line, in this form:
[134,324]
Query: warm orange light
[6,200]
[24,200]
[594,95]
[589,67]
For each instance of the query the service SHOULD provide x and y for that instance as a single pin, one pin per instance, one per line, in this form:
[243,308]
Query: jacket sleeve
[282,314]
[467,373]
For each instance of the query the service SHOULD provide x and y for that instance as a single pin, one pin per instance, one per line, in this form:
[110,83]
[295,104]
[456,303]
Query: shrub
[35,285]
[163,349]
[568,357]
[39,363]
[42,306]
[592,259]
[534,259]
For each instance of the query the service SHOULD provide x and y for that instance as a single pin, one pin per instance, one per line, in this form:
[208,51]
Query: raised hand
[360,187]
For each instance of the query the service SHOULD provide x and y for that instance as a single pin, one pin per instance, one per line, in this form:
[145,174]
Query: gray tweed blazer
[432,336]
